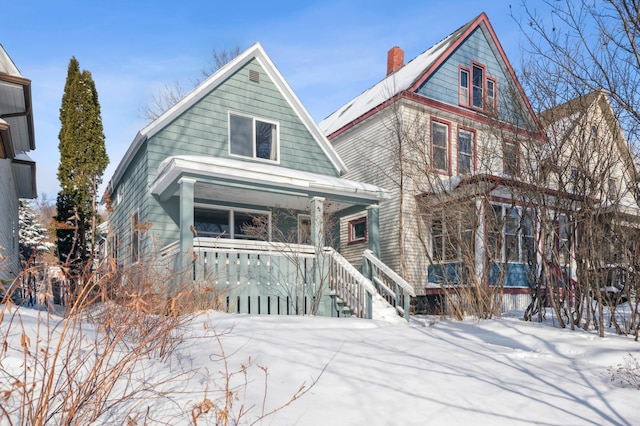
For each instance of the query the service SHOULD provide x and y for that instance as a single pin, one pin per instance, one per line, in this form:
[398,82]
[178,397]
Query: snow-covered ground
[367,372]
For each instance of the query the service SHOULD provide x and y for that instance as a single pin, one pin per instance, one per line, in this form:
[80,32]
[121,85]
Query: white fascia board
[173,167]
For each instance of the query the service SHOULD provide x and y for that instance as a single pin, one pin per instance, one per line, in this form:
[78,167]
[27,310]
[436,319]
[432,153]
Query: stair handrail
[400,295]
[366,289]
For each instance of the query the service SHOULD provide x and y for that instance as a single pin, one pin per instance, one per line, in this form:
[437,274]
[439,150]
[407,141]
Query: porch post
[481,240]
[317,223]
[373,229]
[186,216]
[320,286]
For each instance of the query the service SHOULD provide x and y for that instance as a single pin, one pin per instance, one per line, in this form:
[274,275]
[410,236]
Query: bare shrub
[627,374]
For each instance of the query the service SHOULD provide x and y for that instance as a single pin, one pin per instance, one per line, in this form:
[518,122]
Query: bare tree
[582,69]
[171,94]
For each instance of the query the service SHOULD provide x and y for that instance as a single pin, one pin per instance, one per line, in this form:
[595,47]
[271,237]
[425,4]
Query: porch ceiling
[235,181]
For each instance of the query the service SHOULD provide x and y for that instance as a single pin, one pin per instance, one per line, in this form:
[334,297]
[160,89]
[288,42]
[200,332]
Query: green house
[235,187]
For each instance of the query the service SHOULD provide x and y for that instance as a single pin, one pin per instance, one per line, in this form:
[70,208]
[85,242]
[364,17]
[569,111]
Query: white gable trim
[255,51]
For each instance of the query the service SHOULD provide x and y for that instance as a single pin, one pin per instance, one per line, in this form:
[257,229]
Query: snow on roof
[390,86]
[173,166]
[6,64]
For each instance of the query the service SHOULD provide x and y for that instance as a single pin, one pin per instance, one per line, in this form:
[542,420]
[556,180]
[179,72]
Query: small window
[250,137]
[478,85]
[464,87]
[465,152]
[491,93]
[358,230]
[440,146]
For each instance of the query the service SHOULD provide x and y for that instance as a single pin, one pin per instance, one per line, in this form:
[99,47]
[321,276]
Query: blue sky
[329,51]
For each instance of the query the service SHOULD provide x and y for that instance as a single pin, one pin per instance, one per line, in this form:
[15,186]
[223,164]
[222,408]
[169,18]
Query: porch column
[373,229]
[317,223]
[481,240]
[186,215]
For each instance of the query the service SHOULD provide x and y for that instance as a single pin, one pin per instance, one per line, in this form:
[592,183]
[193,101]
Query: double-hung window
[463,94]
[252,137]
[491,94]
[440,146]
[465,152]
[477,79]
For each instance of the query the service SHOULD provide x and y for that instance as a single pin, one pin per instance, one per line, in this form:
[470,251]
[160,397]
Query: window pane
[241,135]
[464,79]
[439,145]
[212,223]
[478,80]
[249,226]
[465,152]
[490,89]
[266,140]
[510,159]
[359,230]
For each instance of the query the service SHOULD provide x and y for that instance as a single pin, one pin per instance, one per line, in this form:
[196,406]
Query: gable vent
[254,76]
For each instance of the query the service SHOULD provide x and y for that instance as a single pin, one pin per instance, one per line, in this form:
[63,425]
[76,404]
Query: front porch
[271,272]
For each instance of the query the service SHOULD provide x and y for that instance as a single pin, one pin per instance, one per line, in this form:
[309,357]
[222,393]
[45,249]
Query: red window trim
[448,124]
[350,231]
[473,141]
[484,86]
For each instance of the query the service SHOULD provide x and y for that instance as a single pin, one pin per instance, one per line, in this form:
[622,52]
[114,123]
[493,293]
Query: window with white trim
[465,152]
[511,234]
[253,138]
[440,146]
[451,237]
[243,224]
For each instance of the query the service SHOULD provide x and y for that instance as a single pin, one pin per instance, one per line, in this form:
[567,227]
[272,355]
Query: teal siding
[133,189]
[442,85]
[203,129]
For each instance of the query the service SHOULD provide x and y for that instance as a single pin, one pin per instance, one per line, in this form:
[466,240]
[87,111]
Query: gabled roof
[410,77]
[560,121]
[254,52]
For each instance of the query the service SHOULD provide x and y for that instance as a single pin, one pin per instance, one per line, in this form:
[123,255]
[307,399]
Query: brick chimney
[395,59]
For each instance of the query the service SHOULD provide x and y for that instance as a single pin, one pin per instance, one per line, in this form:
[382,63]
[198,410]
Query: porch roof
[230,180]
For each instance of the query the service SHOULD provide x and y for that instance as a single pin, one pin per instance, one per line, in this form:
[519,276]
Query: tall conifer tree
[83,159]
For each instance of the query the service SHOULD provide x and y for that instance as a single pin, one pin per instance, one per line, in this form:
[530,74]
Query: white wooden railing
[350,285]
[391,286]
[279,278]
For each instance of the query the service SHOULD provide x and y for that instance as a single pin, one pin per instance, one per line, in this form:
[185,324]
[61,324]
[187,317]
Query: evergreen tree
[32,235]
[83,159]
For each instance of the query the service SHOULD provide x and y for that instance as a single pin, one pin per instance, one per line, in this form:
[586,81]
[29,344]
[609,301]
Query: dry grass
[89,361]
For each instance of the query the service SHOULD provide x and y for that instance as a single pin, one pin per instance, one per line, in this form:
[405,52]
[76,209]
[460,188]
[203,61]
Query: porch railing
[393,288]
[278,278]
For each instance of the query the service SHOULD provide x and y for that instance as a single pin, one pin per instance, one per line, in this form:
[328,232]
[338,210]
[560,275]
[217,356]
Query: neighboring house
[17,170]
[234,184]
[587,159]
[455,121]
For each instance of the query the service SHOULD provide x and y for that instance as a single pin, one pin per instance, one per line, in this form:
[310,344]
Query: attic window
[253,138]
[254,76]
